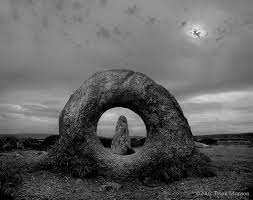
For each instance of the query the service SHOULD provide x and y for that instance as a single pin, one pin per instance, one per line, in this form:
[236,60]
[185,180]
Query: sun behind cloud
[196,32]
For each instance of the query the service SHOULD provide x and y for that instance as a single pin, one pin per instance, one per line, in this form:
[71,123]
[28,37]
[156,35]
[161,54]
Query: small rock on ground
[111,186]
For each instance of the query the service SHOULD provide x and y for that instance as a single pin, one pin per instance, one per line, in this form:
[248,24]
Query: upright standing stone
[121,140]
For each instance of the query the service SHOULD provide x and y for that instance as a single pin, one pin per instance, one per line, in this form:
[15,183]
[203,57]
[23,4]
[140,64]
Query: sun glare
[196,31]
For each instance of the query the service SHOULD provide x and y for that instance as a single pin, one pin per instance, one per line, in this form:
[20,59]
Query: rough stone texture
[168,132]
[121,139]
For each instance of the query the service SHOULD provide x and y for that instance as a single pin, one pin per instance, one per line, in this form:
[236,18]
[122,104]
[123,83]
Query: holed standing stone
[168,133]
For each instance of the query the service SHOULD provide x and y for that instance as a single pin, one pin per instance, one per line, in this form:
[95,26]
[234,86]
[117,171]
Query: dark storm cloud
[54,45]
[156,53]
[45,22]
[103,2]
[76,5]
[132,10]
[59,4]
[224,29]
[103,33]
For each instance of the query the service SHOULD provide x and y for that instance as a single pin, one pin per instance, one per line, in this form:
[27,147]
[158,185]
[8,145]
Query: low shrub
[1,144]
[8,143]
[68,156]
[208,141]
[50,141]
[31,143]
[136,142]
[196,165]
[10,178]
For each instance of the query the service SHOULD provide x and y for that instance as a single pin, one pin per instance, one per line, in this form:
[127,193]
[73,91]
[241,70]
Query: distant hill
[228,135]
[29,135]
[225,138]
[214,136]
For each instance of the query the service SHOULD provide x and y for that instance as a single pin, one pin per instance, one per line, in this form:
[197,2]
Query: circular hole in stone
[106,129]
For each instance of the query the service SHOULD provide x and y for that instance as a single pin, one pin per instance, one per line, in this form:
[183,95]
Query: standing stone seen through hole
[108,121]
[121,141]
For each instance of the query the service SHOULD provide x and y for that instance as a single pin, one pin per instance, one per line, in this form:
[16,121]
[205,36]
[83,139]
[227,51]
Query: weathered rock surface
[168,132]
[121,139]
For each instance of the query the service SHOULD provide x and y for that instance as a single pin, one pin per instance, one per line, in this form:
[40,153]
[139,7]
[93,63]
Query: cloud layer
[49,47]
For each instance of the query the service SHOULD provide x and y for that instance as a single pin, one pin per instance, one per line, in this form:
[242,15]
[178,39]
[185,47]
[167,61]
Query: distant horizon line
[22,133]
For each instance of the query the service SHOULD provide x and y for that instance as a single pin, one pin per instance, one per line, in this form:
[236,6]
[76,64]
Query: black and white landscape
[201,51]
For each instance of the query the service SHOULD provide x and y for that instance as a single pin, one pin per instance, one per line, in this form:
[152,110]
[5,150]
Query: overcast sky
[200,50]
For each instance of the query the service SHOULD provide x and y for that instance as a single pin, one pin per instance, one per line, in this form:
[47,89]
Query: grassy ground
[234,165]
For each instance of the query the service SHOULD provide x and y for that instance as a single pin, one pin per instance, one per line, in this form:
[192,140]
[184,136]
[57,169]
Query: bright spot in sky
[196,31]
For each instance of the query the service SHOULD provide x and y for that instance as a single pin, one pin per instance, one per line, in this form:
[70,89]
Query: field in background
[240,138]
[237,136]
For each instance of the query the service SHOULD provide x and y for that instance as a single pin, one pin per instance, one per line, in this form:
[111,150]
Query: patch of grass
[8,143]
[196,165]
[13,167]
[239,167]
[49,141]
[10,178]
[68,156]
